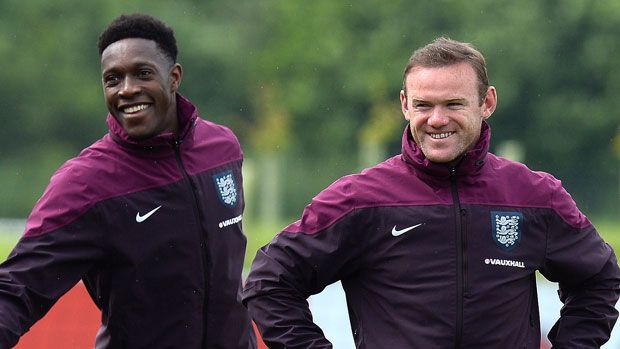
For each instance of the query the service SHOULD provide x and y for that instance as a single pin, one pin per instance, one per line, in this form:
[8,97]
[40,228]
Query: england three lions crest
[226,188]
[507,228]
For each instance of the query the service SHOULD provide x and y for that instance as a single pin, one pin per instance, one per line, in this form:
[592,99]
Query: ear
[489,103]
[176,74]
[403,104]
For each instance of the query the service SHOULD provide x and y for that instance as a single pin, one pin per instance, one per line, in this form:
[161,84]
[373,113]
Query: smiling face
[139,85]
[444,110]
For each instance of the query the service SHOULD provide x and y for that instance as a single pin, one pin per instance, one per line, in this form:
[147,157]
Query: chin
[448,160]
[439,158]
[439,161]
[136,135]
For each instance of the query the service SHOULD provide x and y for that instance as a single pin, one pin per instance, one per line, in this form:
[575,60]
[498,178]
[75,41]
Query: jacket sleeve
[588,275]
[301,261]
[49,259]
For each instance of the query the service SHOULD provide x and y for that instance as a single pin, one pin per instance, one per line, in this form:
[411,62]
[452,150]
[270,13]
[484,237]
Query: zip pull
[177,143]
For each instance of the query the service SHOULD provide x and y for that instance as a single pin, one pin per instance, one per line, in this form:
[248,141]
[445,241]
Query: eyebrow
[134,65]
[414,100]
[460,100]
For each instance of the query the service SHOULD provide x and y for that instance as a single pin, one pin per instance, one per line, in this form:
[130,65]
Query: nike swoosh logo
[396,232]
[141,219]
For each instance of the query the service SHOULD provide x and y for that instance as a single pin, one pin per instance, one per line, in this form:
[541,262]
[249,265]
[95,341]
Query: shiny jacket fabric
[432,256]
[153,228]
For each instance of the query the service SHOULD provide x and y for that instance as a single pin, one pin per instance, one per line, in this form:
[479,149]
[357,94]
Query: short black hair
[138,25]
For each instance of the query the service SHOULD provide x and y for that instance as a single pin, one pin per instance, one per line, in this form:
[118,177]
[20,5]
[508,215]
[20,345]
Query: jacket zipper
[202,237]
[464,248]
[459,258]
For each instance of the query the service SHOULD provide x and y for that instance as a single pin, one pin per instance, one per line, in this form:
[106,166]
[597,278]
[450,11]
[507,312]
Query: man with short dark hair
[149,216]
[438,247]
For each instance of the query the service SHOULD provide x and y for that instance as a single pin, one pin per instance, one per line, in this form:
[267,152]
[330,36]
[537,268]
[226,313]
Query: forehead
[452,80]
[132,51]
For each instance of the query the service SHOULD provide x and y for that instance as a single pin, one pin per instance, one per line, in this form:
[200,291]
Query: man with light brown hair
[438,247]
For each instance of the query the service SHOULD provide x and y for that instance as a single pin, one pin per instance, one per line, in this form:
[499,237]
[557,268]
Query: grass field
[260,233]
[7,241]
[610,230]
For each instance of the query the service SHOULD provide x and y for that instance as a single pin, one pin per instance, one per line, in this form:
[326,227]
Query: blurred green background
[311,90]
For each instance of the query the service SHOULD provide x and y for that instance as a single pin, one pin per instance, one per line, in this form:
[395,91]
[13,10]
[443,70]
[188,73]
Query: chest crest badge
[226,188]
[506,228]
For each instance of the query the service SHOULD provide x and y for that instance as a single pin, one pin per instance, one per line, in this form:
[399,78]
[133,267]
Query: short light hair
[445,51]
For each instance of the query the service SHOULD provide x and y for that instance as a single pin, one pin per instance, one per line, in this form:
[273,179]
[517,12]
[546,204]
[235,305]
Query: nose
[438,117]
[128,87]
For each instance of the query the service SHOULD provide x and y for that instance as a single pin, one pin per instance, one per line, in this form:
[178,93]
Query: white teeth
[135,108]
[440,135]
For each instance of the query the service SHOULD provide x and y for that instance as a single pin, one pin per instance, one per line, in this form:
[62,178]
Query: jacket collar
[186,113]
[471,162]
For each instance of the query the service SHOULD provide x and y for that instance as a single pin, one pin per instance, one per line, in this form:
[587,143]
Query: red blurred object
[261,344]
[71,323]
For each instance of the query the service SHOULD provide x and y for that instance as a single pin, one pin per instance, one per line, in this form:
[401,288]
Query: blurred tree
[316,84]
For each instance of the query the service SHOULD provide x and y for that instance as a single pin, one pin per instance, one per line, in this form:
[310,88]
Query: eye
[145,73]
[420,105]
[110,80]
[455,105]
